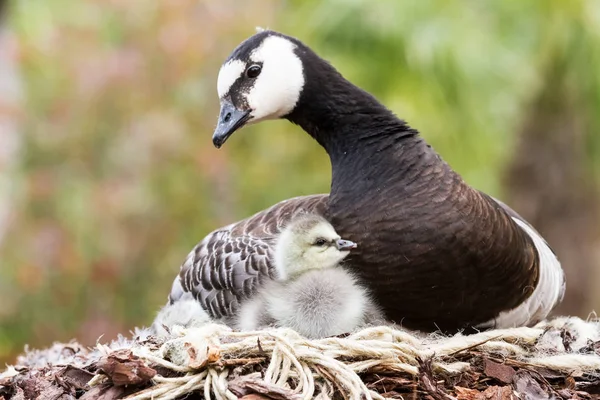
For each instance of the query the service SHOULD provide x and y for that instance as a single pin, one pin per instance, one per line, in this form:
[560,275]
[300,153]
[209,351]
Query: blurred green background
[108,176]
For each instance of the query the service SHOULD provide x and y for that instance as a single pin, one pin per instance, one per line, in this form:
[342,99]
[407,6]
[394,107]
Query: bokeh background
[108,176]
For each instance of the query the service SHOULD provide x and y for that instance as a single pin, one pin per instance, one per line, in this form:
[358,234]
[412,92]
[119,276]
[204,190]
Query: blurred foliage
[118,178]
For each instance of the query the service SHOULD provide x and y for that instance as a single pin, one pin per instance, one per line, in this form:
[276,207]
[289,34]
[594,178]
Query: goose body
[311,292]
[435,252]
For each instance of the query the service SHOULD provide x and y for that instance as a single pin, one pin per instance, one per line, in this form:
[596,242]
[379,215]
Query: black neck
[341,116]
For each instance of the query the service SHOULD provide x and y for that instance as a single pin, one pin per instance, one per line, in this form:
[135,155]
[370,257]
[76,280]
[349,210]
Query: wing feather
[230,263]
[550,287]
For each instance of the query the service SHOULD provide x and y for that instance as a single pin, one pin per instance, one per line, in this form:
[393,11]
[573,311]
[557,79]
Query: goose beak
[345,245]
[230,120]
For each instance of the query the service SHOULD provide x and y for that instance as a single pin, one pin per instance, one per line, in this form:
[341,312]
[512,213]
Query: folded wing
[232,262]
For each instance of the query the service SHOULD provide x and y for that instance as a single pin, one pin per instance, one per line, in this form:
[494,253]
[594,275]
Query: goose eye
[320,242]
[253,71]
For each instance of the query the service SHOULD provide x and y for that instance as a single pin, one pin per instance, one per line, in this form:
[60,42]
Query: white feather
[546,295]
[277,89]
[186,312]
[228,74]
[568,334]
[176,287]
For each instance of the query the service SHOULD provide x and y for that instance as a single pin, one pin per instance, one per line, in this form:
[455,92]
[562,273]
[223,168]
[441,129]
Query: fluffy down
[316,304]
[186,312]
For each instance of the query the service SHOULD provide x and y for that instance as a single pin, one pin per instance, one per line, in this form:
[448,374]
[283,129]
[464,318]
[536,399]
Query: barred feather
[232,262]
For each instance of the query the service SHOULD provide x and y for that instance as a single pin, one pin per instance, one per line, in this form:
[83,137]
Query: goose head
[262,79]
[309,242]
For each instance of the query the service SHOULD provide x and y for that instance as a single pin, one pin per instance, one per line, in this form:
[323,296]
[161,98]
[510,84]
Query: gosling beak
[230,120]
[345,245]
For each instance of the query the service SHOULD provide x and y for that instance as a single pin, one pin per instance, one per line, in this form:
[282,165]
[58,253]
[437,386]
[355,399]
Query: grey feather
[231,263]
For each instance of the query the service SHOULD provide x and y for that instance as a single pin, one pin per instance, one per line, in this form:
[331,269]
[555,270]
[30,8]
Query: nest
[557,359]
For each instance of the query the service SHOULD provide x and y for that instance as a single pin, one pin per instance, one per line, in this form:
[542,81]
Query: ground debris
[390,383]
[428,381]
[107,392]
[491,393]
[530,388]
[73,378]
[546,363]
[244,387]
[124,368]
[503,373]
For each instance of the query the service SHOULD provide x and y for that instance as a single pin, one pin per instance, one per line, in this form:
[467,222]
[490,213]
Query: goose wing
[550,288]
[230,263]
[512,213]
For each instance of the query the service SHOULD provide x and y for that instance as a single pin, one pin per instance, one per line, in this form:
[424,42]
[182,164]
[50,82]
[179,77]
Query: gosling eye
[320,242]
[253,71]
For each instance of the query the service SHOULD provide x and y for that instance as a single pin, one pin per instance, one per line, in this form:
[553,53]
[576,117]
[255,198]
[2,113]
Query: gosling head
[262,79]
[309,242]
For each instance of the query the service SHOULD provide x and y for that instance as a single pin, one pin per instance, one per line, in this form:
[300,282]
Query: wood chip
[570,382]
[19,394]
[40,388]
[498,393]
[547,373]
[230,362]
[74,377]
[491,393]
[529,388]
[589,387]
[124,368]
[106,392]
[243,387]
[501,372]
[428,382]
[463,393]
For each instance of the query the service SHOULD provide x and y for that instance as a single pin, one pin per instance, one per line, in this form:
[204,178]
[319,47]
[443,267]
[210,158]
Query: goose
[436,253]
[312,293]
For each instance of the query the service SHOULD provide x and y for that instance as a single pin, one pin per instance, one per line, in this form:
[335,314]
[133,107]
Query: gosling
[312,293]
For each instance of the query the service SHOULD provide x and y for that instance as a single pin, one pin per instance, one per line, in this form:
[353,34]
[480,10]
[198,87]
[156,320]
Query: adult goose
[311,293]
[436,253]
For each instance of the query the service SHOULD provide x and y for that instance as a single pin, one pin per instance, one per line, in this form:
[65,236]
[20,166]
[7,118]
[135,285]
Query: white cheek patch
[228,74]
[277,89]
